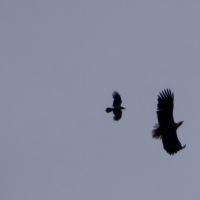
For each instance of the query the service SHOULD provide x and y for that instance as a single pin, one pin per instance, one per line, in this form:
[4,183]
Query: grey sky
[60,61]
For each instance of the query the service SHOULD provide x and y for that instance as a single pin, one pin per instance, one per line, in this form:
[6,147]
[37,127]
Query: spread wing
[171,143]
[165,108]
[117,114]
[117,100]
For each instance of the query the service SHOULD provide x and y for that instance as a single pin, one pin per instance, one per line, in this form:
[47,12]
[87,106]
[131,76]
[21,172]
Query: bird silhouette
[166,127]
[117,109]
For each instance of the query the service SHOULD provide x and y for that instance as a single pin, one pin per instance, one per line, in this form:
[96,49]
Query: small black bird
[117,106]
[166,127]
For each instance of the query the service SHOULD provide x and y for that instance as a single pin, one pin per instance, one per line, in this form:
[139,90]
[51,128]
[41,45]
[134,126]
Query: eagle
[166,127]
[116,106]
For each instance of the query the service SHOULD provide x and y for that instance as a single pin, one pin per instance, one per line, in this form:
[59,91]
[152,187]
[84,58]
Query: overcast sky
[60,61]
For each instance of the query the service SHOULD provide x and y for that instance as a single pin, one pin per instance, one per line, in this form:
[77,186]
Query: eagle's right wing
[117,99]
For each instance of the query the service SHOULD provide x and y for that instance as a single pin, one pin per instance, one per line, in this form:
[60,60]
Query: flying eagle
[117,106]
[166,127]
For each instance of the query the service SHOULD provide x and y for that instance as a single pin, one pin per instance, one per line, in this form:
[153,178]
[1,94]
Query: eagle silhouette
[166,127]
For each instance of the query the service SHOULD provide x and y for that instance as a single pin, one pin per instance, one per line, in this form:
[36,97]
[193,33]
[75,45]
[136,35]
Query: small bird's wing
[171,143]
[117,114]
[165,108]
[117,99]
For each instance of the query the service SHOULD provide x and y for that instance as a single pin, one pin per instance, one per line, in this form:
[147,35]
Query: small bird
[166,127]
[117,106]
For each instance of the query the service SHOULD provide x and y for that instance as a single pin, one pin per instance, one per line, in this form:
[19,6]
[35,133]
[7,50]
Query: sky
[60,61]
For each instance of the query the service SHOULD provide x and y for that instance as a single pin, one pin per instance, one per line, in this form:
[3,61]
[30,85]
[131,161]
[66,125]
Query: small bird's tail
[156,133]
[109,110]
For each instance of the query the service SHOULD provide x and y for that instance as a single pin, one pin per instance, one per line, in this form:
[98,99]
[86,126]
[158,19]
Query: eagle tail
[109,110]
[156,133]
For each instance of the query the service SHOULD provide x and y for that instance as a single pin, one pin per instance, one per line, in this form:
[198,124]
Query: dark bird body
[166,127]
[116,106]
